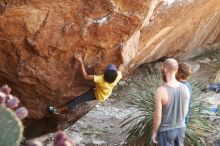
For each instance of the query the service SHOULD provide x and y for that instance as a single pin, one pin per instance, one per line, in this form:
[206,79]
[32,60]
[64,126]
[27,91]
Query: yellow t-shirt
[103,88]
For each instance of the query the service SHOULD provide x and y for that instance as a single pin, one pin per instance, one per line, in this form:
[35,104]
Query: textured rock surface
[39,37]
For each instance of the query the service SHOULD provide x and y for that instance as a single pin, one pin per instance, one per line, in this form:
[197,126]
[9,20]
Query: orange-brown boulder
[39,37]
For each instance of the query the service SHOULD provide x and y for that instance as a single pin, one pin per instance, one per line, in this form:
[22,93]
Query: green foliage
[215,55]
[11,128]
[138,126]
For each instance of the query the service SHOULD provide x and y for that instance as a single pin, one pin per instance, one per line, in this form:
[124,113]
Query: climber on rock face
[103,86]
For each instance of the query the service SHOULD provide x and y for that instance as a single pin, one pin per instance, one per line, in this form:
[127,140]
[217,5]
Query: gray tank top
[173,111]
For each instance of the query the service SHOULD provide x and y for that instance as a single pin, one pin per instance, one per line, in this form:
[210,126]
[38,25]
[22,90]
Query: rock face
[39,37]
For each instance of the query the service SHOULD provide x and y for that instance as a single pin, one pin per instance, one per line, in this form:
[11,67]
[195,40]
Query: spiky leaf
[138,127]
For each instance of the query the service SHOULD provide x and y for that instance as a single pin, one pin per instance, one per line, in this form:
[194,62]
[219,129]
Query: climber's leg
[62,109]
[53,110]
[88,96]
[57,111]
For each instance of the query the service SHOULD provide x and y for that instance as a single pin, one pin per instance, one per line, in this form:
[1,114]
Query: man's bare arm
[157,109]
[85,75]
[159,96]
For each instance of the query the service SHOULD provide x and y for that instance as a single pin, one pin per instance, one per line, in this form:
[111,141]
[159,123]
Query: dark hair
[110,76]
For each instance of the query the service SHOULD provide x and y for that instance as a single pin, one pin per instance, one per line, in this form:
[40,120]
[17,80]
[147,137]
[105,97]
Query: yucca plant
[215,55]
[137,127]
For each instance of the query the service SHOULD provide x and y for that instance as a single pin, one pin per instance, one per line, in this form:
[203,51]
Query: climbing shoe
[53,110]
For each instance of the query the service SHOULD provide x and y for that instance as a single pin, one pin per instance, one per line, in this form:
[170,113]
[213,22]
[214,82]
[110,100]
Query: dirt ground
[101,126]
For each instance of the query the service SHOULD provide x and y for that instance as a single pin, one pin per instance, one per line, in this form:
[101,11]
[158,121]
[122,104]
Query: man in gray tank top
[171,107]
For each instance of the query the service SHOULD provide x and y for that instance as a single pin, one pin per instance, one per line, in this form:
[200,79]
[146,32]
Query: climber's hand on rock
[78,57]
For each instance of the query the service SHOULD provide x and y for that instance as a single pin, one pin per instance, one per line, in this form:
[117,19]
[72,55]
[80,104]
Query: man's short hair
[171,65]
[184,71]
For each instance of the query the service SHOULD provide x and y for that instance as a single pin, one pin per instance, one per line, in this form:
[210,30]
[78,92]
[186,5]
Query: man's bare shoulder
[161,91]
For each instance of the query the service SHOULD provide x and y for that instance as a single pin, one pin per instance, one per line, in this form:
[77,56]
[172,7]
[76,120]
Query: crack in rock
[42,25]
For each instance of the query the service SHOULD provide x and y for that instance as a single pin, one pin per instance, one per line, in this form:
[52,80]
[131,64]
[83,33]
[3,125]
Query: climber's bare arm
[121,66]
[85,75]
